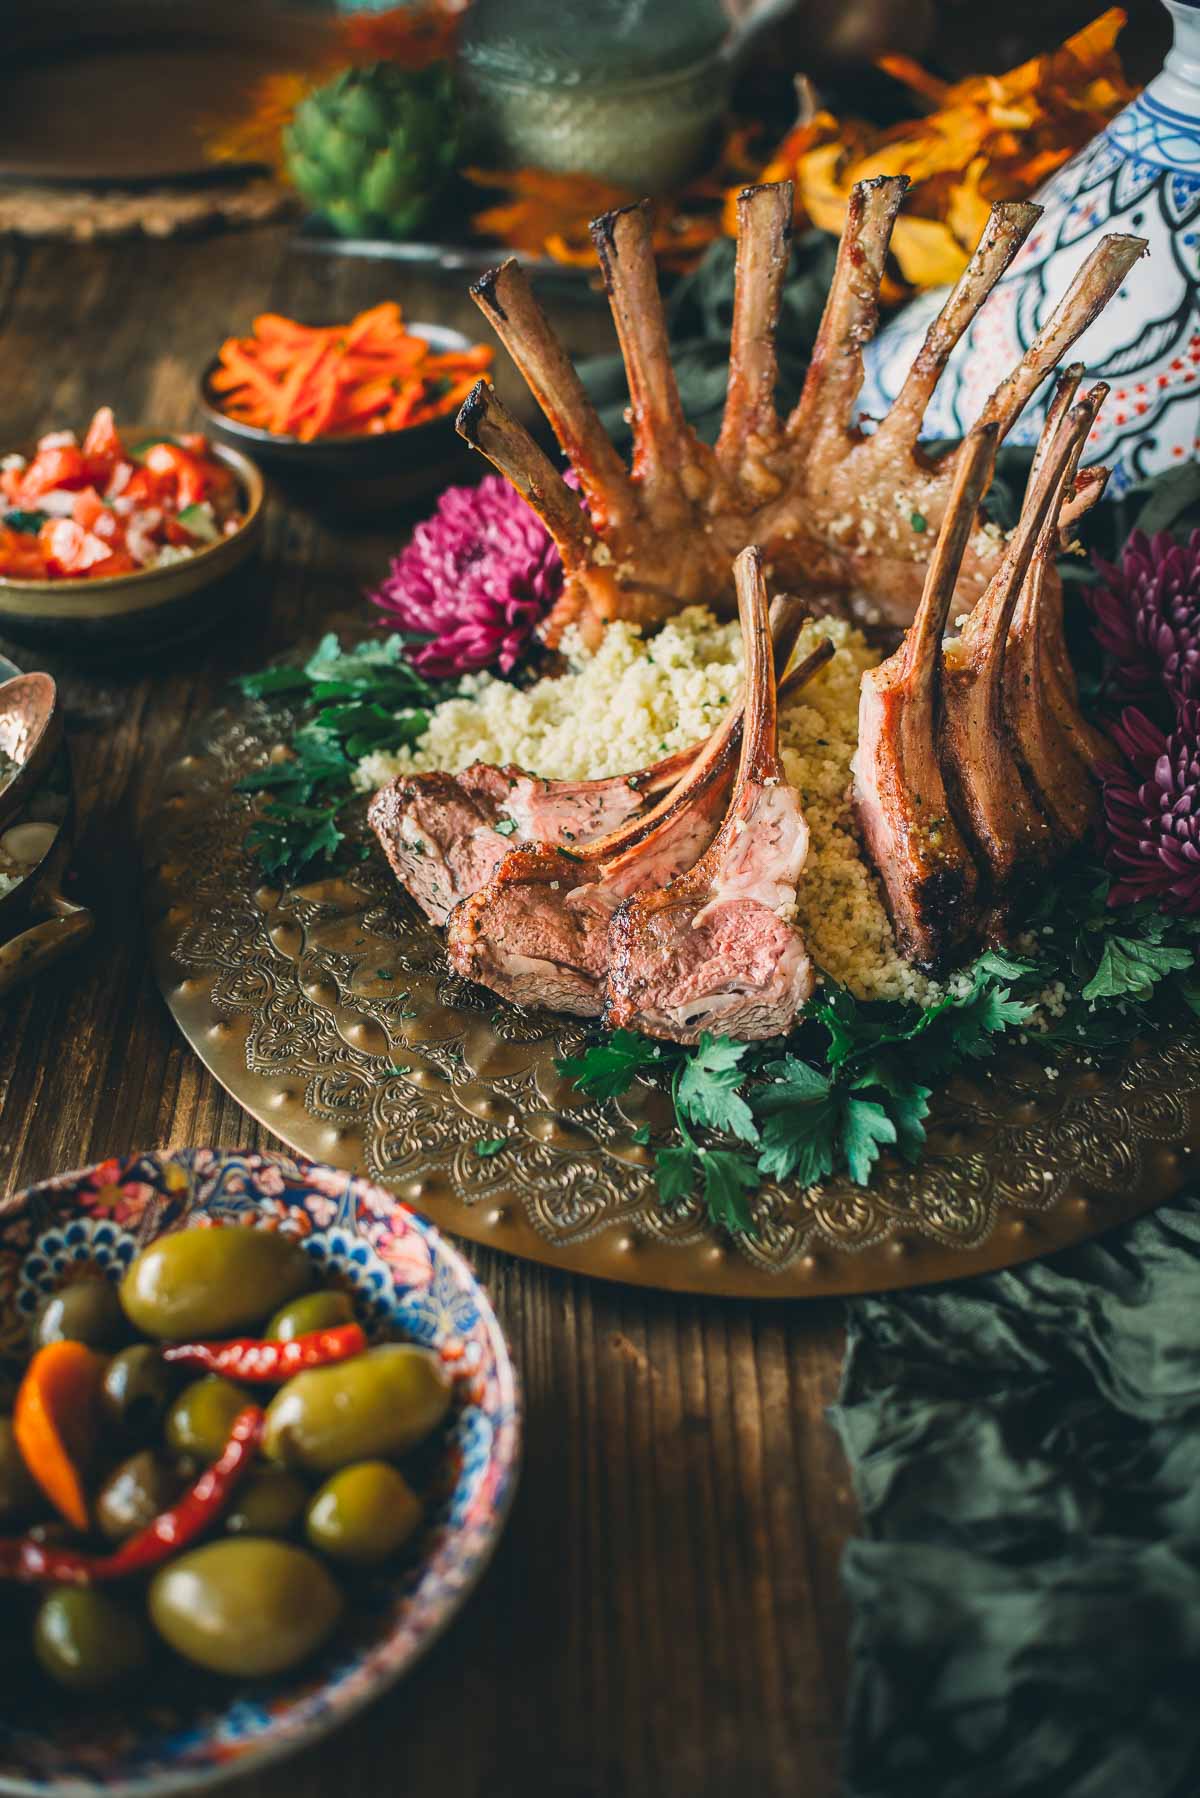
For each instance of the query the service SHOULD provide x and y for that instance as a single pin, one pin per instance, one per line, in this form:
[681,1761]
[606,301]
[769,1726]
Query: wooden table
[663,1619]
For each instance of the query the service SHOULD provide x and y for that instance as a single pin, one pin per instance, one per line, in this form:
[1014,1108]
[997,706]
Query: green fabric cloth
[1026,1602]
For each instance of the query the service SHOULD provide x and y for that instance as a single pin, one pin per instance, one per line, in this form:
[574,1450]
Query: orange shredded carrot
[367,376]
[54,1421]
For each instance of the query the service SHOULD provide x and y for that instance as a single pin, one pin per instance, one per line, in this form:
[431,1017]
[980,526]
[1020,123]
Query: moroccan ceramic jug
[1141,175]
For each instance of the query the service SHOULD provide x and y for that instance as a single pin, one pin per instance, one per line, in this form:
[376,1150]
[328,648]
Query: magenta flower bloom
[1148,615]
[1152,810]
[476,580]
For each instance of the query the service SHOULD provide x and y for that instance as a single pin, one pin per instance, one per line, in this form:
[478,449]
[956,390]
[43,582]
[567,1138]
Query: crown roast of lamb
[664,899]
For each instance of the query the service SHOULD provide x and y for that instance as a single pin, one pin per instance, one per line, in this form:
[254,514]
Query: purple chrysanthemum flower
[476,579]
[1148,615]
[1152,810]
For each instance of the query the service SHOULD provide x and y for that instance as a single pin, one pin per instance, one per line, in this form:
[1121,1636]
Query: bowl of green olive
[259,1436]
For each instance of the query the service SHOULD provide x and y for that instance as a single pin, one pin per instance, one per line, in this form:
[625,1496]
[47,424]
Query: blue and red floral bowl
[408,1283]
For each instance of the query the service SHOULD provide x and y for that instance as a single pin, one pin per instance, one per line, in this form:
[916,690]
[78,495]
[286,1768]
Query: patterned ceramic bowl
[406,1282]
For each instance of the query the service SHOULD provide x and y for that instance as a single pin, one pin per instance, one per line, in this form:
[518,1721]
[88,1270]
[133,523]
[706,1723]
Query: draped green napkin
[1026,1602]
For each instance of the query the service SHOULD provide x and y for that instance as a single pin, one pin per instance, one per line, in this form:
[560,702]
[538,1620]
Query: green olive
[245,1606]
[88,1310]
[199,1421]
[314,1311]
[20,1494]
[268,1504]
[376,1406]
[134,1493]
[138,1386]
[86,1640]
[212,1282]
[363,1513]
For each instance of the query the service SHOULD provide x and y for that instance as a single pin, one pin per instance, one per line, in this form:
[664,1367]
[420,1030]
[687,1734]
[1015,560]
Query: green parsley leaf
[865,1127]
[25,522]
[1129,968]
[799,1137]
[402,1067]
[505,827]
[492,1146]
[608,1069]
[707,1092]
[287,838]
[728,1177]
[1189,992]
[675,1174]
[918,522]
[641,1136]
[270,681]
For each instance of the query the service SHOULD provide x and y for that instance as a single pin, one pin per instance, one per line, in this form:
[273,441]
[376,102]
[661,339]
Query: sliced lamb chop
[838,513]
[716,947]
[929,875]
[1055,746]
[445,835]
[538,932]
[1007,830]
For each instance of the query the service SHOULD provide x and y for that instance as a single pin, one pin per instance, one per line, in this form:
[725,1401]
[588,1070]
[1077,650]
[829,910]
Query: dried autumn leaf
[982,139]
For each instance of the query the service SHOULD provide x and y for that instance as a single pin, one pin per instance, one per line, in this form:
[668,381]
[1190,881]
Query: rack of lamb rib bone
[975,767]
[843,518]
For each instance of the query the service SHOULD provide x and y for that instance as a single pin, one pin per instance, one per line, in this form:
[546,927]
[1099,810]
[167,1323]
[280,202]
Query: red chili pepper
[21,1558]
[253,1360]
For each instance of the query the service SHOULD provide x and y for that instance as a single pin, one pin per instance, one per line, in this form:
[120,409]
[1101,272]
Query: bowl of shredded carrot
[364,407]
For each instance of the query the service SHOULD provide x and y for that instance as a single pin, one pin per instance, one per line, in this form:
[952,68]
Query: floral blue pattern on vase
[1140,176]
[406,1281]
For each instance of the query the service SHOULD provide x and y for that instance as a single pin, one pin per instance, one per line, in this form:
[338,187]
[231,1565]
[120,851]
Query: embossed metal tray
[328,1011]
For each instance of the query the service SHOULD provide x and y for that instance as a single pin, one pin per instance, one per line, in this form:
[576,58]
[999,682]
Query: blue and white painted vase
[1140,175]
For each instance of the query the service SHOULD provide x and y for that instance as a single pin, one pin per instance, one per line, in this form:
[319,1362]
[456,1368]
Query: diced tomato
[144,489]
[50,468]
[69,549]
[191,478]
[120,562]
[88,508]
[21,558]
[194,442]
[102,447]
[10,482]
[176,533]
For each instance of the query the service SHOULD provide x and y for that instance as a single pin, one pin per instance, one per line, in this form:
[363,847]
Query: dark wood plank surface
[663,1619]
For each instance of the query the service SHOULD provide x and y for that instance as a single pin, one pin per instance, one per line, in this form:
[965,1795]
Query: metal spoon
[30,732]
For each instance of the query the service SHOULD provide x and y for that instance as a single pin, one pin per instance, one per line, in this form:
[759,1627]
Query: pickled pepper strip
[22,1558]
[253,1360]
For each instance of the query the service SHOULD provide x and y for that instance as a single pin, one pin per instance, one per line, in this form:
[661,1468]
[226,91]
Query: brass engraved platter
[328,1011]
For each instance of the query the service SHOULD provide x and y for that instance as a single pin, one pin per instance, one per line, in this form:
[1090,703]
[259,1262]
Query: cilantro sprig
[368,698]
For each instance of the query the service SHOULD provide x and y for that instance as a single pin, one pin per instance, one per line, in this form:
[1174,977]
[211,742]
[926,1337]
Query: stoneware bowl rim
[229,1183]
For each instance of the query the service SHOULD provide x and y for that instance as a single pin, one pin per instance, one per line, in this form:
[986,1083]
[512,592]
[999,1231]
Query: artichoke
[373,149]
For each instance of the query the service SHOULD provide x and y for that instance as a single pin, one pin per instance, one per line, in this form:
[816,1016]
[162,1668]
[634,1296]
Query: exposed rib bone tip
[604,228]
[484,290]
[472,412]
[769,187]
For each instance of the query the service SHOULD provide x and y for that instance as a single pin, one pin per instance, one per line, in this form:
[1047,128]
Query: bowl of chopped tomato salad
[116,531]
[359,413]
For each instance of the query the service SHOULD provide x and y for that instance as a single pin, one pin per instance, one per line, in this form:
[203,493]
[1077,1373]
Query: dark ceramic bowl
[352,474]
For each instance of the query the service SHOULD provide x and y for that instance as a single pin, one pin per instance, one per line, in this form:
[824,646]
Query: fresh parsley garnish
[854,1080]
[505,827]
[26,522]
[366,700]
[492,1146]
